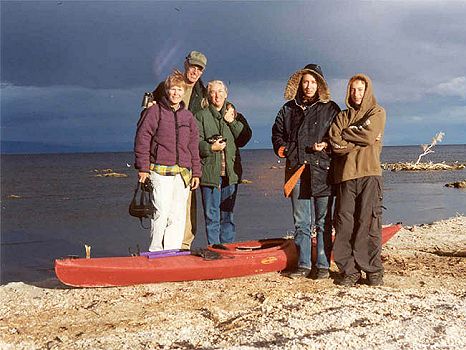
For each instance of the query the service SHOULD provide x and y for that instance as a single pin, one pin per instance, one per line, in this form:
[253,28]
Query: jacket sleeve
[369,132]
[278,131]
[241,130]
[142,142]
[339,145]
[205,148]
[194,148]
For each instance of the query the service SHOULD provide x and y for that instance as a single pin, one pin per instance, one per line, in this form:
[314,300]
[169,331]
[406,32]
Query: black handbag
[141,205]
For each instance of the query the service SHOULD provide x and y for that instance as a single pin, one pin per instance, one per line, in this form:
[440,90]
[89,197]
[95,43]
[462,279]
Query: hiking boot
[321,274]
[349,280]
[374,278]
[301,272]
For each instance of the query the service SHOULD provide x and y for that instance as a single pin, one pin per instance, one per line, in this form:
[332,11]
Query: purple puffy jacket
[167,137]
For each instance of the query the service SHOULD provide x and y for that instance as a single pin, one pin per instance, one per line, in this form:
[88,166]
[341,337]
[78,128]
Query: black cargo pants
[358,225]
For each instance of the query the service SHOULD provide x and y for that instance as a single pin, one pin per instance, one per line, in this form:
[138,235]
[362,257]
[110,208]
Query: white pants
[167,225]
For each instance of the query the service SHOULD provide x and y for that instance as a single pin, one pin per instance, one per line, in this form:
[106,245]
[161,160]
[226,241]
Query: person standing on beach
[356,139]
[166,151]
[222,132]
[194,67]
[299,134]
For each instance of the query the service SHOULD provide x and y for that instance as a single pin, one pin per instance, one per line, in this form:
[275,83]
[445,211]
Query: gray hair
[212,82]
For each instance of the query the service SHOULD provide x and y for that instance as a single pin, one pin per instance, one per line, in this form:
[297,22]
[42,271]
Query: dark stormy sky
[73,72]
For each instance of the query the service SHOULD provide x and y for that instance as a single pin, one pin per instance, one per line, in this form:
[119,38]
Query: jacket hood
[292,87]
[368,101]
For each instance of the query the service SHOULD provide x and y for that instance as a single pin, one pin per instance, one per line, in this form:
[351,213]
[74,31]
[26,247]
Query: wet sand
[421,306]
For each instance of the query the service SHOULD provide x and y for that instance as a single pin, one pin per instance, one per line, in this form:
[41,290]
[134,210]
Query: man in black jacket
[299,134]
[194,66]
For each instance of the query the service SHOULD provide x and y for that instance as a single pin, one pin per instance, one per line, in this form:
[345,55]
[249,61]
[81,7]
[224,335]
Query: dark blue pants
[218,212]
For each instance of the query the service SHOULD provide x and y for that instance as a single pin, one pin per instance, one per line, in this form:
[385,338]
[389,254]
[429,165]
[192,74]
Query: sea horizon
[90,151]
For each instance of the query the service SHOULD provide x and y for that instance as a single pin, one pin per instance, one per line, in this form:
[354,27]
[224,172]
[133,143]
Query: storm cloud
[74,71]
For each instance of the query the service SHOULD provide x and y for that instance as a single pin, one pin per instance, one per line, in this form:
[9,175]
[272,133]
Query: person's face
[308,86]
[193,73]
[175,94]
[357,90]
[217,95]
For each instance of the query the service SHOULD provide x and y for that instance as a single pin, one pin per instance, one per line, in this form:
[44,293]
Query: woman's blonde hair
[176,78]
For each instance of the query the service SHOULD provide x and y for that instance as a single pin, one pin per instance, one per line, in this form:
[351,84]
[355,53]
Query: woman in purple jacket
[166,148]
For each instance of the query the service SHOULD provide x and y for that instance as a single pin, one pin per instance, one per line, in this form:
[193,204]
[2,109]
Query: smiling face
[193,73]
[175,94]
[217,94]
[308,86]
[357,90]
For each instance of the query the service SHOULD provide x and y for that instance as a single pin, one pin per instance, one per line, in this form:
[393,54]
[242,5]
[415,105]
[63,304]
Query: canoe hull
[274,255]
[239,259]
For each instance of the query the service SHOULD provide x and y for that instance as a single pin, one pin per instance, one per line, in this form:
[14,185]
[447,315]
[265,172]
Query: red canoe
[239,259]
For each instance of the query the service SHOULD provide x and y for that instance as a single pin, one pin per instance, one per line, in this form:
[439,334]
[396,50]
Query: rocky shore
[421,306]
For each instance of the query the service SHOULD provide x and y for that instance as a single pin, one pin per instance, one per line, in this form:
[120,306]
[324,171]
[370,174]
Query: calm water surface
[51,205]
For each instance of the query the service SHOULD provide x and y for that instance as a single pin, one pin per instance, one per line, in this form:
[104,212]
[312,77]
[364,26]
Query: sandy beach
[421,306]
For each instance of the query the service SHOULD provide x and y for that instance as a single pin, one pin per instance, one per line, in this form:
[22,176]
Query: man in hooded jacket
[299,134]
[356,139]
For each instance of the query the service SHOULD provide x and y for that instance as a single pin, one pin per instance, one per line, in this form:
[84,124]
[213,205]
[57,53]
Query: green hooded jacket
[237,134]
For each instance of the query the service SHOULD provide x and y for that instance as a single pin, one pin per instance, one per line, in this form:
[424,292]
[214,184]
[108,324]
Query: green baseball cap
[197,58]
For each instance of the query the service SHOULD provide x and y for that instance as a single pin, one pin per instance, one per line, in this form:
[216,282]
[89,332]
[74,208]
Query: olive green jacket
[237,134]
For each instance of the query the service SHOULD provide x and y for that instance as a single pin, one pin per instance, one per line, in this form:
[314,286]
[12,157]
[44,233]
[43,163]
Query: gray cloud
[62,63]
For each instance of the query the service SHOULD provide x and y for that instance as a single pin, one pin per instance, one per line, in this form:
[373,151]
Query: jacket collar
[217,114]
[166,104]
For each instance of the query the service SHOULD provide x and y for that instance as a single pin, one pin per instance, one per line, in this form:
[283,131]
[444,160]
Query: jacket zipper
[176,137]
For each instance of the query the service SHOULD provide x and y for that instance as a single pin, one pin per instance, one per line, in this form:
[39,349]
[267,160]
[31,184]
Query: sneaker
[349,280]
[301,272]
[321,274]
[374,278]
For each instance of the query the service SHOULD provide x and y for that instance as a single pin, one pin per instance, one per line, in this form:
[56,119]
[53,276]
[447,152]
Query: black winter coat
[297,128]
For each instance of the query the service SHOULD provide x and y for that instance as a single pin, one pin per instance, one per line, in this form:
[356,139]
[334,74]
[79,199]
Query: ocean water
[53,204]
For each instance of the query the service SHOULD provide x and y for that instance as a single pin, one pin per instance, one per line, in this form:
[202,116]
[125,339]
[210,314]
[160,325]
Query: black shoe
[301,272]
[322,274]
[374,278]
[349,280]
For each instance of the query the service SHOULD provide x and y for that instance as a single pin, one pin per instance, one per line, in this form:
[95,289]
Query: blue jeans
[304,219]
[218,212]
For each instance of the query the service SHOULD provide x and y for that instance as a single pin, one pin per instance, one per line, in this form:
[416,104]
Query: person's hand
[143,176]
[230,114]
[150,104]
[194,183]
[281,152]
[218,146]
[319,146]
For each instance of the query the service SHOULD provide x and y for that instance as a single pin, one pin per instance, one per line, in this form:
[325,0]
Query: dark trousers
[358,225]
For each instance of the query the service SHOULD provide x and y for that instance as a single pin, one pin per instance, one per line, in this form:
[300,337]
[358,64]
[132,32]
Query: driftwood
[410,166]
[108,173]
[457,184]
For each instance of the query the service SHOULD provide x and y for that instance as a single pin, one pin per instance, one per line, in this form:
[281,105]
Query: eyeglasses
[196,68]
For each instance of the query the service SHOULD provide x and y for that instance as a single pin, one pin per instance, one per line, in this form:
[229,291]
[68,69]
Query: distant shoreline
[59,149]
